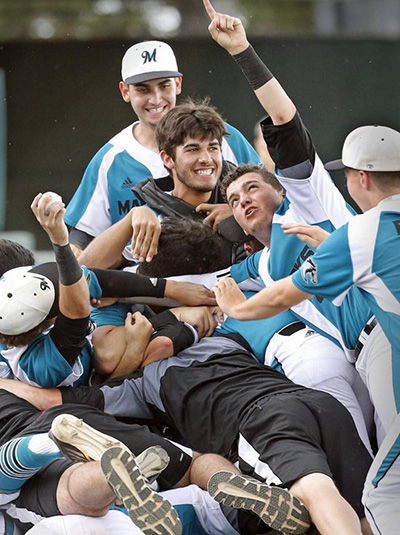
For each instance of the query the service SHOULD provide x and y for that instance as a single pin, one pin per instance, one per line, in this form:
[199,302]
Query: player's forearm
[74,300]
[270,301]
[268,90]
[41,398]
[105,251]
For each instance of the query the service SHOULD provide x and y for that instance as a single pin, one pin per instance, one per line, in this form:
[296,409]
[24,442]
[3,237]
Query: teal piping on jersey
[391,457]
[390,324]
[9,526]
[243,151]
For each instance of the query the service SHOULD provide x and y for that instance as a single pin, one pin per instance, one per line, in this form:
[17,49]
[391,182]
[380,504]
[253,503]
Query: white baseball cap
[147,61]
[26,299]
[370,148]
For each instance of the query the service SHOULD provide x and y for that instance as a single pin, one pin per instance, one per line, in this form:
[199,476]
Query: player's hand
[202,318]
[189,293]
[138,330]
[51,220]
[311,234]
[215,213]
[228,295]
[146,231]
[227,31]
[103,301]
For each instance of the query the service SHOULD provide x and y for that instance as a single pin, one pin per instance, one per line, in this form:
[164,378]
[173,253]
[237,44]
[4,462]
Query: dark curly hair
[187,247]
[13,254]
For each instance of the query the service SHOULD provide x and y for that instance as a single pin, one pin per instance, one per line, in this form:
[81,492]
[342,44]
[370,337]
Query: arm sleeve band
[69,336]
[253,68]
[166,324]
[69,271]
[289,144]
[115,283]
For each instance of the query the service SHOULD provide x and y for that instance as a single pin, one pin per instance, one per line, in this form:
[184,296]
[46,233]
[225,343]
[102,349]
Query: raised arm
[74,299]
[230,34]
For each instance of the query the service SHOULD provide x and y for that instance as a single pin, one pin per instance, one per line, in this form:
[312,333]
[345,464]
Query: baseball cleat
[148,510]
[81,443]
[275,506]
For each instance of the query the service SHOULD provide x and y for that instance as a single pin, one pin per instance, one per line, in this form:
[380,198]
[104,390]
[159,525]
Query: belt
[291,328]
[369,327]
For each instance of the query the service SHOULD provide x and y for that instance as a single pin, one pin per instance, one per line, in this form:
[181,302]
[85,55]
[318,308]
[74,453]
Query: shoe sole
[81,443]
[148,510]
[275,506]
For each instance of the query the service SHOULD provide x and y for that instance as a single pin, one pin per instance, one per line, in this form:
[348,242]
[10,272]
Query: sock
[22,458]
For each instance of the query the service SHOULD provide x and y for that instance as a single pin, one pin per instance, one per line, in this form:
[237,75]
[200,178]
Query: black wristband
[253,67]
[69,271]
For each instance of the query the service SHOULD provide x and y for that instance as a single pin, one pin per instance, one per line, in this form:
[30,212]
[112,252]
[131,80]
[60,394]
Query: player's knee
[311,487]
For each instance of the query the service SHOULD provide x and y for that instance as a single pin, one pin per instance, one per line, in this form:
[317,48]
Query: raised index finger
[210,10]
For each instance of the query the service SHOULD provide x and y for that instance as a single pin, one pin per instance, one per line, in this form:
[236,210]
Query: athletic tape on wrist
[69,271]
[256,72]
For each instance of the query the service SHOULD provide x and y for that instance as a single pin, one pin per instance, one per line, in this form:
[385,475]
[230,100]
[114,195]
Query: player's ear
[365,179]
[167,160]
[124,90]
[178,84]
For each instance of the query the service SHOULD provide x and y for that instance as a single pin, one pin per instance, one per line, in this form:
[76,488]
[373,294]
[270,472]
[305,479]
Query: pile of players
[279,416]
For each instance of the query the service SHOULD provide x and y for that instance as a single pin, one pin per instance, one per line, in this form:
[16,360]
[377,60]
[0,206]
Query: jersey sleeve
[89,208]
[313,196]
[329,272]
[43,365]
[290,145]
[241,150]
[247,268]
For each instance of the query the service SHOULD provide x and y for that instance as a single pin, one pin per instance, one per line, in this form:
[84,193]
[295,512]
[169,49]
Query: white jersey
[314,200]
[364,253]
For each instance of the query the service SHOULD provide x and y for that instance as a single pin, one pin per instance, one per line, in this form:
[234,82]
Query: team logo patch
[309,271]
[397,225]
[148,57]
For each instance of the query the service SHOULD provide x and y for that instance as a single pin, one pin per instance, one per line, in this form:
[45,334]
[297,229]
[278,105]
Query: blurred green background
[60,68]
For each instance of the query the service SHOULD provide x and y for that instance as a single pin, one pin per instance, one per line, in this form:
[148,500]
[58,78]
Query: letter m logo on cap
[147,56]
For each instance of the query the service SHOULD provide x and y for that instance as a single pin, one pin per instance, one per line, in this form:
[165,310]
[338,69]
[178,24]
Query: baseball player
[283,341]
[310,197]
[44,310]
[223,401]
[150,84]
[367,143]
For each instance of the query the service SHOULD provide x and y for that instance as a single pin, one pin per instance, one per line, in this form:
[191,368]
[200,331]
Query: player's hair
[187,247]
[243,169]
[13,255]
[20,340]
[192,118]
[385,180]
